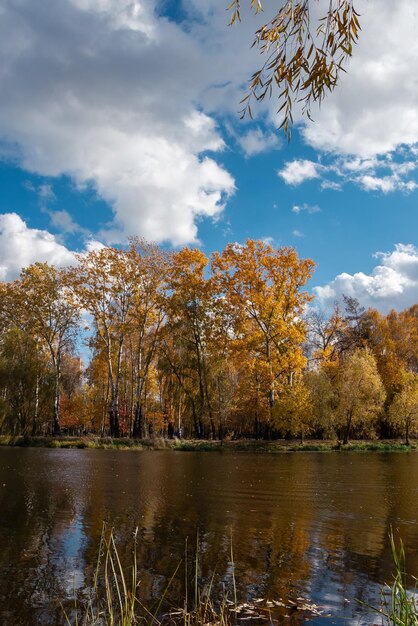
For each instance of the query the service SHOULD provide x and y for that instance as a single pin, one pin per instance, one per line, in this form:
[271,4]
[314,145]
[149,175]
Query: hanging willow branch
[302,62]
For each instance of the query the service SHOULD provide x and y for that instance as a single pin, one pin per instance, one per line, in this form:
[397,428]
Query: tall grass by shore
[190,445]
[399,599]
[114,599]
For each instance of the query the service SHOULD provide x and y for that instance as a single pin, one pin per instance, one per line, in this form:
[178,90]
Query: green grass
[191,445]
[377,446]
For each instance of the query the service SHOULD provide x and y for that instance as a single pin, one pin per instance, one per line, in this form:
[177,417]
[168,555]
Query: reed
[114,598]
[398,602]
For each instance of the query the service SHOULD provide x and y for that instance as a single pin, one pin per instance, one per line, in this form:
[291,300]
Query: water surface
[304,524]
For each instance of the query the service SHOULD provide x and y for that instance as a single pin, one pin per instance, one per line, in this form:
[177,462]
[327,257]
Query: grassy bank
[243,445]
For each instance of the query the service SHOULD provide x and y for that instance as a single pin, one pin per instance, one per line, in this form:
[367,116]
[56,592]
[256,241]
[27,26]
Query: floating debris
[258,611]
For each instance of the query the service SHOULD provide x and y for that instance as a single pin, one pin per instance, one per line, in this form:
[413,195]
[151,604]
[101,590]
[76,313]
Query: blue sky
[119,118]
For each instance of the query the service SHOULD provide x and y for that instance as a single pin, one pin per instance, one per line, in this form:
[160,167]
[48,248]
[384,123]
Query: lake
[305,524]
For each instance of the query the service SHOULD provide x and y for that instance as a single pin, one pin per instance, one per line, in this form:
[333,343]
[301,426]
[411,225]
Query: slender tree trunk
[348,428]
[57,425]
[36,409]
[113,411]
[137,431]
[257,417]
[208,402]
[116,424]
[198,428]
[105,401]
[272,399]
[407,440]
[201,389]
[220,412]
[179,424]
[114,389]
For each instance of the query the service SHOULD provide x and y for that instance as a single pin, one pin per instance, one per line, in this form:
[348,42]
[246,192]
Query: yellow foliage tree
[262,286]
[293,412]
[360,391]
[403,411]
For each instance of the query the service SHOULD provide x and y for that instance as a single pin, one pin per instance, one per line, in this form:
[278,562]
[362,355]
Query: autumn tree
[360,392]
[293,413]
[25,382]
[403,333]
[151,266]
[189,313]
[179,349]
[263,288]
[97,389]
[403,411]
[42,301]
[105,282]
[324,334]
[323,398]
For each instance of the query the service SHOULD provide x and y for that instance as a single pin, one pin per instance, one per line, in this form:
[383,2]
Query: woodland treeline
[187,346]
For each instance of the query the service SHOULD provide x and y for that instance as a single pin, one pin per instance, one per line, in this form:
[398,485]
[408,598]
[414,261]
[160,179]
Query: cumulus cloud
[118,96]
[393,283]
[297,233]
[297,171]
[20,246]
[106,91]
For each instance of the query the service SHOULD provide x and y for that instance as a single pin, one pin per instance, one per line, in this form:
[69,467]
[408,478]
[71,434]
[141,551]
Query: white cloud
[385,183]
[110,94]
[63,221]
[46,193]
[114,95]
[391,284]
[269,241]
[297,233]
[306,208]
[331,184]
[20,246]
[297,171]
[374,110]
[382,174]
[256,141]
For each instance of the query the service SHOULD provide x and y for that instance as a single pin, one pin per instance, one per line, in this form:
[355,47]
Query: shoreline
[191,445]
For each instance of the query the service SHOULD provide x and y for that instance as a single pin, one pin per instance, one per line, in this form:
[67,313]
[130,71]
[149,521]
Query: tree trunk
[57,425]
[272,399]
[407,440]
[114,420]
[36,409]
[138,428]
[348,428]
